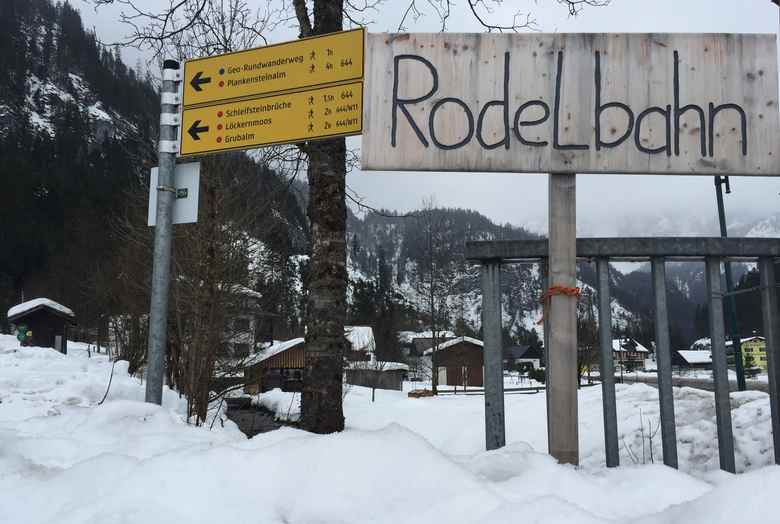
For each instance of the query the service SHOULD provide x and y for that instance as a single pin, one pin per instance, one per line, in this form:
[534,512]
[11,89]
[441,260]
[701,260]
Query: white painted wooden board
[637,70]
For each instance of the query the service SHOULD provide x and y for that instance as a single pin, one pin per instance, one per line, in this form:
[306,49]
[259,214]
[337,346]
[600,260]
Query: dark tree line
[65,174]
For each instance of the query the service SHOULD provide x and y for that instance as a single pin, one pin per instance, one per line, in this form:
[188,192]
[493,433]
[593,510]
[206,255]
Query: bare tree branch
[482,10]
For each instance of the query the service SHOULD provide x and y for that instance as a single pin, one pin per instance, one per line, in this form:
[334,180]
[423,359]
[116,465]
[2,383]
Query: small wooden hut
[46,320]
[379,375]
[459,362]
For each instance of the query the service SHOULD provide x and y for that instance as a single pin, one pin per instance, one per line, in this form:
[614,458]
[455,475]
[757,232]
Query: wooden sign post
[686,104]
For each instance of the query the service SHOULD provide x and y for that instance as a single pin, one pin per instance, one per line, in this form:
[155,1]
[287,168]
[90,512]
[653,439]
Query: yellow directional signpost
[302,90]
[273,119]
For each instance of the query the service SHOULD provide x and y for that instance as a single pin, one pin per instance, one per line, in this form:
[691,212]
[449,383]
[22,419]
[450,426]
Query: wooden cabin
[459,362]
[281,364]
[46,320]
[278,366]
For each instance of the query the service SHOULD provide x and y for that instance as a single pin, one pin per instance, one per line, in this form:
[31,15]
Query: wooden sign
[577,103]
[308,62]
[274,119]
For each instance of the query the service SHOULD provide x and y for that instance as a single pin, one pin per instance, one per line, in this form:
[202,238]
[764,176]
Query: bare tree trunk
[321,401]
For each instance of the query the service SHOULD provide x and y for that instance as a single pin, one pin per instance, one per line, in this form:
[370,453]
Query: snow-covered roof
[37,303]
[272,350]
[619,344]
[705,343]
[360,337]
[406,337]
[454,341]
[692,356]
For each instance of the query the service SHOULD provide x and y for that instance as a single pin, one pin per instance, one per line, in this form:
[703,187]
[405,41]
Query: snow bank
[285,405]
[454,423]
[41,381]
[745,498]
[64,459]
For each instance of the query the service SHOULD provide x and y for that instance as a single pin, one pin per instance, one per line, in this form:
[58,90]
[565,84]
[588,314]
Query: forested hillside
[76,144]
[76,129]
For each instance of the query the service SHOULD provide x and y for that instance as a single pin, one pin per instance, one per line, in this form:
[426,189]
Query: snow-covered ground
[704,374]
[65,459]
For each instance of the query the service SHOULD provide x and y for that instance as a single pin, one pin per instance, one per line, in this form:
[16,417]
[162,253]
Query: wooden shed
[459,362]
[278,366]
[46,320]
[379,375]
[281,364]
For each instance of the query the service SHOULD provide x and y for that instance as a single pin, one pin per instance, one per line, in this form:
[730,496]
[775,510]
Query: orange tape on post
[555,290]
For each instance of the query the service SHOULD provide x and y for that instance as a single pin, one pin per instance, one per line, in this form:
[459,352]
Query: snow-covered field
[64,459]
[704,374]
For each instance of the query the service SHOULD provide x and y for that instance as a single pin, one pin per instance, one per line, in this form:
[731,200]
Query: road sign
[274,119]
[691,104]
[304,63]
[185,207]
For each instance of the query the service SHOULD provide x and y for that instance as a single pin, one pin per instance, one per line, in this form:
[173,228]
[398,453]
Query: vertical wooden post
[719,366]
[495,435]
[562,437]
[607,365]
[771,320]
[664,362]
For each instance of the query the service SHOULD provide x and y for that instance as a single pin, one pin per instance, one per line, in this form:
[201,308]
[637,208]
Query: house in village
[692,359]
[45,322]
[281,364]
[458,362]
[753,350]
[628,353]
[278,366]
[416,343]
[523,356]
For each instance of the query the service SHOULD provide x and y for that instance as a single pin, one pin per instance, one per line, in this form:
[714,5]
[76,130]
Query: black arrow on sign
[195,129]
[197,81]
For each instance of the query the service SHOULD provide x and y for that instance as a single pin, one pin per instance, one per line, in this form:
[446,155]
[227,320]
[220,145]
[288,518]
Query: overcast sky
[606,204]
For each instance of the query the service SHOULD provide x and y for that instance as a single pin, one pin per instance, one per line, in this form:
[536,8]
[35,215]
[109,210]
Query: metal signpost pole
[771,324]
[495,433]
[663,354]
[719,367]
[163,231]
[731,302]
[606,364]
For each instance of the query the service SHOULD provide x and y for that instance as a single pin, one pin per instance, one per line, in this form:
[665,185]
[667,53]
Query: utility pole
[730,303]
[163,231]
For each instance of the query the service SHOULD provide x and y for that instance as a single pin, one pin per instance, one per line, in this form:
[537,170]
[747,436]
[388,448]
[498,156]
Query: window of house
[763,358]
[241,324]
[241,350]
